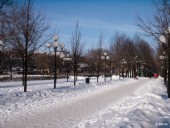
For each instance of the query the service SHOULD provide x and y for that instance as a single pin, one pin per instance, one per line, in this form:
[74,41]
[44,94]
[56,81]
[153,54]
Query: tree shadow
[165,124]
[10,86]
[163,96]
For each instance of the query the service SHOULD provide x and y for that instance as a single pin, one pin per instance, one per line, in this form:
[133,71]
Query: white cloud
[90,28]
[64,22]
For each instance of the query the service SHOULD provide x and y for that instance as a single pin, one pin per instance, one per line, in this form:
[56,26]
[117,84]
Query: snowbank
[41,93]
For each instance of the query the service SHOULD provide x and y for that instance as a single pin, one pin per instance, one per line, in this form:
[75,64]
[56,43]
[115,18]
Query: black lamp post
[123,62]
[67,59]
[136,69]
[110,69]
[55,45]
[105,57]
[10,66]
[142,67]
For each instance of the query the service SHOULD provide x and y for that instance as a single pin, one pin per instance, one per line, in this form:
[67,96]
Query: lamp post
[67,59]
[10,66]
[111,69]
[123,61]
[145,70]
[55,45]
[142,67]
[135,71]
[105,57]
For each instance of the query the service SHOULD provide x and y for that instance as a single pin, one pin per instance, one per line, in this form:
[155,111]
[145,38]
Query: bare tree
[3,11]
[118,49]
[144,51]
[159,27]
[90,60]
[77,47]
[5,2]
[130,54]
[162,63]
[98,54]
[145,55]
[26,32]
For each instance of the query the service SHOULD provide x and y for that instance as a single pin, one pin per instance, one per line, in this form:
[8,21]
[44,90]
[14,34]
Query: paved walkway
[71,113]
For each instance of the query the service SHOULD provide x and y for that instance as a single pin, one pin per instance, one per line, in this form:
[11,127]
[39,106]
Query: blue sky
[95,16]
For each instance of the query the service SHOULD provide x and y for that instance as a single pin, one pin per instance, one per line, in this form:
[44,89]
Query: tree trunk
[98,70]
[110,70]
[10,68]
[67,70]
[23,72]
[105,70]
[26,71]
[168,86]
[119,71]
[165,71]
[25,75]
[74,74]
[55,68]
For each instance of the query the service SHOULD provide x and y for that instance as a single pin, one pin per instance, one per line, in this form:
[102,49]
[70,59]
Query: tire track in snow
[68,114]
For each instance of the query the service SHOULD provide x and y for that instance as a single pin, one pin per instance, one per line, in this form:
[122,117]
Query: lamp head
[105,53]
[62,45]
[161,57]
[107,57]
[102,57]
[162,39]
[55,44]
[48,45]
[55,38]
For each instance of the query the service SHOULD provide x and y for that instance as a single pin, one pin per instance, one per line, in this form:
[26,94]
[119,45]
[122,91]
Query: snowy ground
[148,107]
[116,103]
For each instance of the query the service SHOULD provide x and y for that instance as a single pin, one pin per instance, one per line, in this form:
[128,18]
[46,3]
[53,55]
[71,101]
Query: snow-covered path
[71,113]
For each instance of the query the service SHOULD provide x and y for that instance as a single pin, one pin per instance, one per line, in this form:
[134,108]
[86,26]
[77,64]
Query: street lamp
[111,69]
[135,71]
[67,59]
[105,57]
[142,67]
[10,66]
[55,45]
[123,61]
[145,70]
